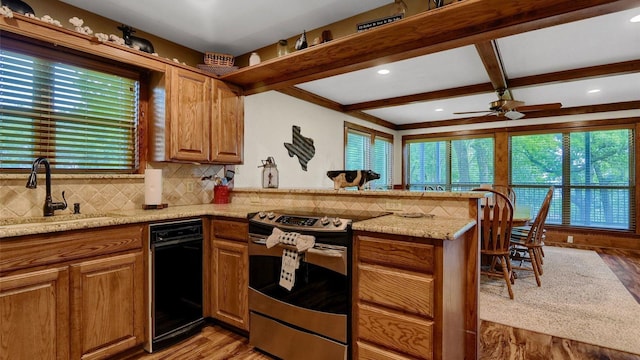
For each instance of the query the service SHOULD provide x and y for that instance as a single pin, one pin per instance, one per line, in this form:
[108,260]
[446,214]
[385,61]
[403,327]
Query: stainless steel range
[309,318]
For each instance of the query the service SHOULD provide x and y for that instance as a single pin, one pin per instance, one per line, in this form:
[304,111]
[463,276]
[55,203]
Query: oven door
[319,300]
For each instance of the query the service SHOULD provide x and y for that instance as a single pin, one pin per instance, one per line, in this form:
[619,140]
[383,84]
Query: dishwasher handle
[162,242]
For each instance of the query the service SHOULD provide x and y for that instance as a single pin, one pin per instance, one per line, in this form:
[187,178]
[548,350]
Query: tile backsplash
[182,185]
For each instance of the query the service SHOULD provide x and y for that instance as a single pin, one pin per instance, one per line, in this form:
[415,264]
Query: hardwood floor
[496,341]
[212,343]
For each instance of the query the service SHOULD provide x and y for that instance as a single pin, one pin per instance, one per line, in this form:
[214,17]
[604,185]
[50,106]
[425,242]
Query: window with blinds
[449,164]
[79,118]
[592,172]
[366,149]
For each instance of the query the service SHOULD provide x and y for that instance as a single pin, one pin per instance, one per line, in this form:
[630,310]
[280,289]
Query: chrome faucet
[32,183]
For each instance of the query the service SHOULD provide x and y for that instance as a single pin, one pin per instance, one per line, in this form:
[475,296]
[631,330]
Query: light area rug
[580,299]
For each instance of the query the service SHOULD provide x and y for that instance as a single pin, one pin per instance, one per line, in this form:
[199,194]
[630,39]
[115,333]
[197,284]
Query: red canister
[221,194]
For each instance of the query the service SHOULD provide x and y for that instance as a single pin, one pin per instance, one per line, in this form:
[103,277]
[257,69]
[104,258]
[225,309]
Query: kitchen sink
[53,219]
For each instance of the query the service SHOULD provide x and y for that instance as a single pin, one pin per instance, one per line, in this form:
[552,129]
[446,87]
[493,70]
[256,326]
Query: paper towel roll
[153,186]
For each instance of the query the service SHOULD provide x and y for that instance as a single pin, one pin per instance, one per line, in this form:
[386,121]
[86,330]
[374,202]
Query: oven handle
[322,252]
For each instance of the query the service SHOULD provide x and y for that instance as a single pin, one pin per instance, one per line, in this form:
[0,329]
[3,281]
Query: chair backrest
[496,222]
[537,227]
[508,191]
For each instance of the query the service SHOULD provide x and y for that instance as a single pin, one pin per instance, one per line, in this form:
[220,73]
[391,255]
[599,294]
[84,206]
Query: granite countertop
[64,222]
[428,227]
[434,227]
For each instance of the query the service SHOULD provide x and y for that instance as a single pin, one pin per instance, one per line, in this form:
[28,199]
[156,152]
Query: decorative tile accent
[106,193]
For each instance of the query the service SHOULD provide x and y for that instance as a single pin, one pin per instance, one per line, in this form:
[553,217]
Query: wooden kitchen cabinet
[227,128]
[189,120]
[408,298]
[34,315]
[107,300]
[75,294]
[195,118]
[230,278]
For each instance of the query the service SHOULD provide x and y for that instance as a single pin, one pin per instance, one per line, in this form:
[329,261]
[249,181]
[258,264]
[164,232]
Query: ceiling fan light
[513,115]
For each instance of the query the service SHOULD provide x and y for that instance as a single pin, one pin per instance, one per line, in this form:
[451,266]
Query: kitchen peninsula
[432,258]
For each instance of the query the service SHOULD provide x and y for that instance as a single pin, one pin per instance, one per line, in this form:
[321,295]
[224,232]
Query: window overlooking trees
[82,118]
[369,149]
[591,170]
[449,164]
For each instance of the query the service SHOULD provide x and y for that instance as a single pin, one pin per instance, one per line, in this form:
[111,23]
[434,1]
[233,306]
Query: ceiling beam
[458,24]
[426,96]
[625,67]
[488,51]
[332,105]
[578,110]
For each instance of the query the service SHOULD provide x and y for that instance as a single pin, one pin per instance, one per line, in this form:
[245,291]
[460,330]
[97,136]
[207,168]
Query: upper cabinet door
[189,120]
[227,127]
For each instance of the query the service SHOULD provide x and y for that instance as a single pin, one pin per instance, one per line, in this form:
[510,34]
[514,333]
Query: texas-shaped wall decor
[300,146]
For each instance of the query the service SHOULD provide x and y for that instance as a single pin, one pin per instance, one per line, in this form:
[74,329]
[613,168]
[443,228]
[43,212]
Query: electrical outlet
[570,239]
[393,206]
[190,186]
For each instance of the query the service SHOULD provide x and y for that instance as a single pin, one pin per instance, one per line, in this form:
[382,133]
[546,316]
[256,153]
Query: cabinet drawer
[398,332]
[370,352]
[231,230]
[46,249]
[407,255]
[398,289]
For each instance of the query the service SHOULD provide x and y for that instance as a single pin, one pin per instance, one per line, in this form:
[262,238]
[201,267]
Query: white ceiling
[240,26]
[603,40]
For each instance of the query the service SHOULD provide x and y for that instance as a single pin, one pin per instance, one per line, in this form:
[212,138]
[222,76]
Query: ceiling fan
[511,109]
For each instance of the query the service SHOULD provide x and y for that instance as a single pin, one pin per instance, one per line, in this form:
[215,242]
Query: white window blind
[80,119]
[366,149]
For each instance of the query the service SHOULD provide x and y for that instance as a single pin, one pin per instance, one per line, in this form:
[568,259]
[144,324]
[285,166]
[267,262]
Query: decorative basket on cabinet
[212,58]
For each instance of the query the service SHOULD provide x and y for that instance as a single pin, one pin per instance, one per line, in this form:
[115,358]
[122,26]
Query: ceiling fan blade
[511,104]
[473,112]
[539,107]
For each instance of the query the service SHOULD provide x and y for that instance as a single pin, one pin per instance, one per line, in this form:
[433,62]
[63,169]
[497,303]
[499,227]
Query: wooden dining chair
[527,241]
[496,222]
[508,191]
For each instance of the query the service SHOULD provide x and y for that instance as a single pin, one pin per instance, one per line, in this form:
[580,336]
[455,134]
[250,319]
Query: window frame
[76,58]
[447,137]
[565,187]
[373,134]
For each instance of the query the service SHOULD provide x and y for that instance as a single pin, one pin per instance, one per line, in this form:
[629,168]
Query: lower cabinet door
[34,315]
[107,306]
[231,283]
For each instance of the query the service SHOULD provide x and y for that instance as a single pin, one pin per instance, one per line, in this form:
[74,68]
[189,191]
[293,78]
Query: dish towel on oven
[290,257]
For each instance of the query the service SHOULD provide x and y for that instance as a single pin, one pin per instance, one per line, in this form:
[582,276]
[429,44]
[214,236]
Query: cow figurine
[346,178]
[134,41]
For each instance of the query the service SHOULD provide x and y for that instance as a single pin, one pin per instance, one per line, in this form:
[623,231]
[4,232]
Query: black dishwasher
[175,264]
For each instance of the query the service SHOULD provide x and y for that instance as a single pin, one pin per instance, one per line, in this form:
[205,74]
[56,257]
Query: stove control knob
[324,221]
[271,215]
[337,222]
[262,214]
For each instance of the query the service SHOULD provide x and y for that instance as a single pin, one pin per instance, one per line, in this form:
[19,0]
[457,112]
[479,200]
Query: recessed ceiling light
[635,19]
[439,109]
[383,72]
[593,91]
